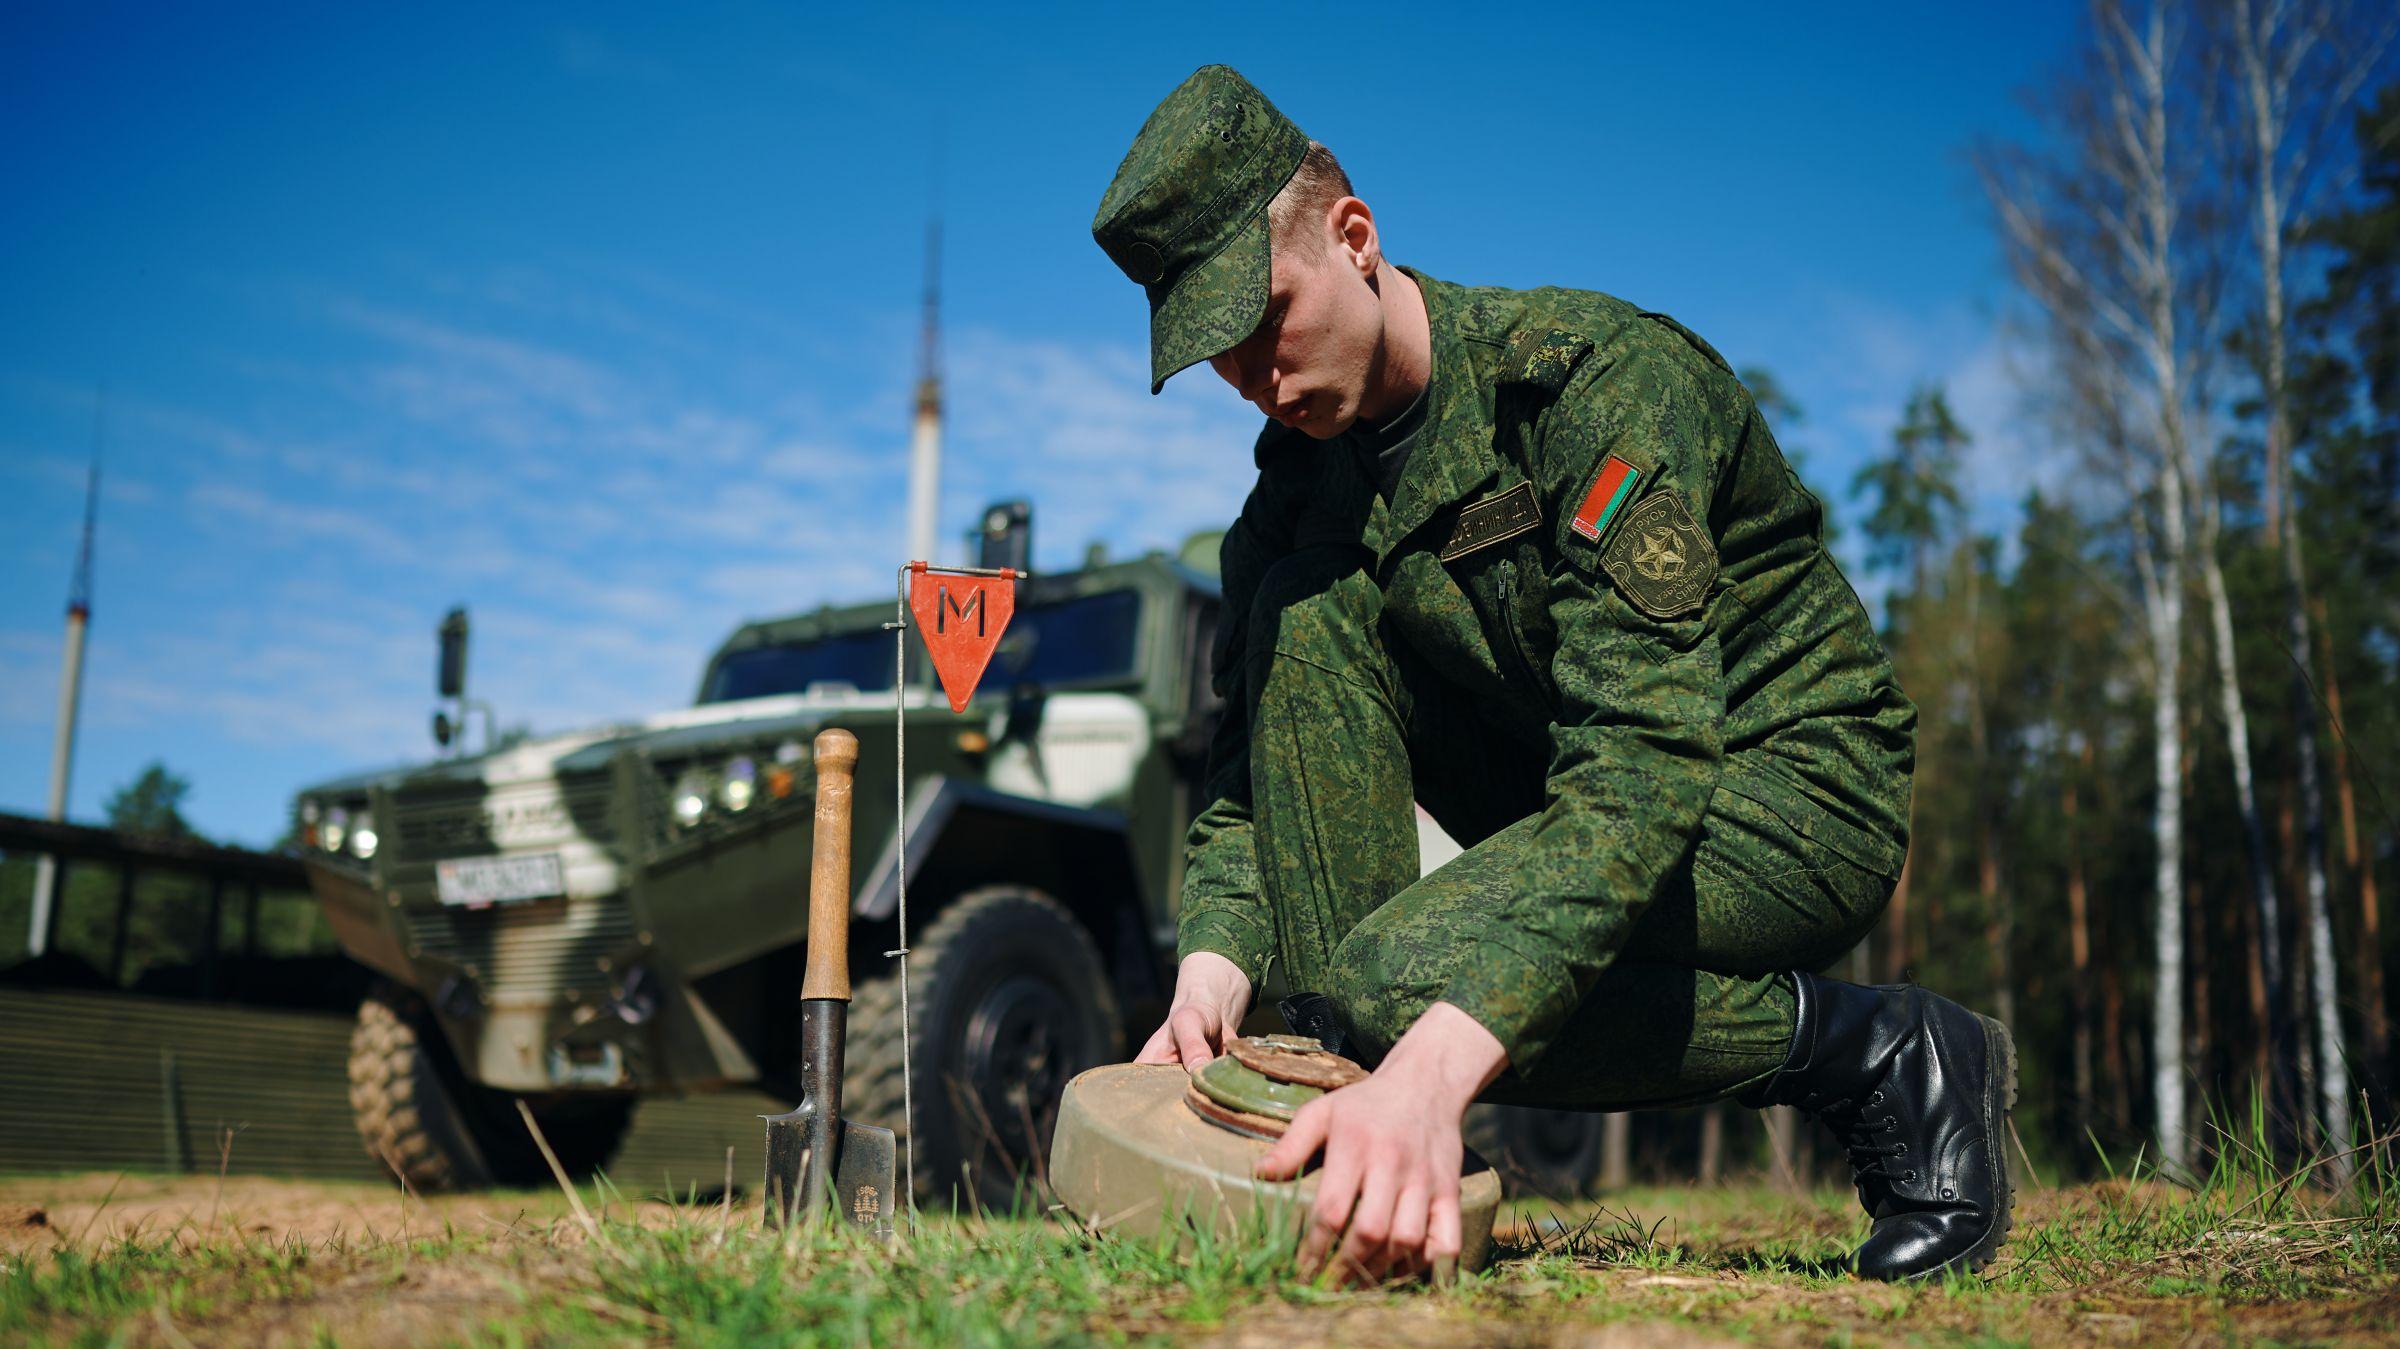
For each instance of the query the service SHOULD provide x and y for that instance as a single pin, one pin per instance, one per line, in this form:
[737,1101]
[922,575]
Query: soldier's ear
[1354,232]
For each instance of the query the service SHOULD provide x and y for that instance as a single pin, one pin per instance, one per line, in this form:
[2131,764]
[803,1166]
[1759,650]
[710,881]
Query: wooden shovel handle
[828,972]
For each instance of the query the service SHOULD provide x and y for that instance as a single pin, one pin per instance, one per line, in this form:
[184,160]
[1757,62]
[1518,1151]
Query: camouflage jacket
[1597,536]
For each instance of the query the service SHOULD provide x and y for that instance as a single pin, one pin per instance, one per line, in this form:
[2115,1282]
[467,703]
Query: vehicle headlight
[785,773]
[740,787]
[362,842]
[335,828]
[690,800]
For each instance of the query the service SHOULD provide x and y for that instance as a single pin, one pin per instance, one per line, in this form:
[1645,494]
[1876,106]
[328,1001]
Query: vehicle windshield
[858,660]
[1075,642]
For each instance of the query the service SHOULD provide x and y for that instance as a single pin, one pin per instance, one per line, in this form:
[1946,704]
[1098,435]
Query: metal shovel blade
[863,1191]
[788,1157]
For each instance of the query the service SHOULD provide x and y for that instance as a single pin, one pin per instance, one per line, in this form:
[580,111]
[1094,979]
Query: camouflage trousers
[1349,730]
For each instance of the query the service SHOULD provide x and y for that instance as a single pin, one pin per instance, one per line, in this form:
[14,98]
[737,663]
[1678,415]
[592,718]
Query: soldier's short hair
[1296,215]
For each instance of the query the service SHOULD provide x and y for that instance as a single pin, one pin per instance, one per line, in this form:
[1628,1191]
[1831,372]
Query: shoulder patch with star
[1661,558]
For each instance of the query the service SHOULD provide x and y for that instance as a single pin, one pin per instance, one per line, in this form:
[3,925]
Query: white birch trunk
[2333,1068]
[2155,258]
[2274,47]
[2101,250]
[2163,603]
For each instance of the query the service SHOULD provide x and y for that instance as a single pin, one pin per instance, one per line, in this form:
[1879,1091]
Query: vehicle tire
[1549,1154]
[1008,999]
[423,1121]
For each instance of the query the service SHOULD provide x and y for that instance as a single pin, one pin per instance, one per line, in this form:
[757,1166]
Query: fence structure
[200,1019]
[235,876]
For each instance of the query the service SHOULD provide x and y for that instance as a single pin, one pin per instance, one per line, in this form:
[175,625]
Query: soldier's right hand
[1212,995]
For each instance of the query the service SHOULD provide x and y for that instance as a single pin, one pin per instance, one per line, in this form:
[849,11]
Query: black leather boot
[1918,1088]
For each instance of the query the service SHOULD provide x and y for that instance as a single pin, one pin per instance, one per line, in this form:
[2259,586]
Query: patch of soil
[360,1287]
[190,1209]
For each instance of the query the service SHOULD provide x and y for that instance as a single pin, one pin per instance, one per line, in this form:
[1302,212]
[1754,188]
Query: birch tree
[2298,66]
[2095,232]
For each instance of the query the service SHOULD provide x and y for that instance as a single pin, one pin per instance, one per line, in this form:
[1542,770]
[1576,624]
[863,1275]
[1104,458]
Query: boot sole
[2000,1062]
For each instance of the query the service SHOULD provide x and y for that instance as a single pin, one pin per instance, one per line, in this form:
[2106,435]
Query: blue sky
[599,318]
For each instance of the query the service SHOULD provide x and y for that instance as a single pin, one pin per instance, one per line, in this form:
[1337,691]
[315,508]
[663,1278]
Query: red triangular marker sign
[961,619]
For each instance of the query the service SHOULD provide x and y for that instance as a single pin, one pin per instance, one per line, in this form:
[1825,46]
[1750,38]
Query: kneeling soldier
[1532,559]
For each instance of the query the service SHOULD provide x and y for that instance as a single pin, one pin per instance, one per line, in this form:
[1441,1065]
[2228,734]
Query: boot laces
[1848,1120]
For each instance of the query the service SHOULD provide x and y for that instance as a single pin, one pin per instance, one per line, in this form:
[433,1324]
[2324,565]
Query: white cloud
[1852,363]
[254,517]
[1075,430]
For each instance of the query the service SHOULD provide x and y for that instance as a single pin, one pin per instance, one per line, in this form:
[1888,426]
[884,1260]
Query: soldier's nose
[1252,391]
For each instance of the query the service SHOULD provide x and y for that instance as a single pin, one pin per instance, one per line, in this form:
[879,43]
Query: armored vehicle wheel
[1554,1154]
[421,1118]
[1008,999]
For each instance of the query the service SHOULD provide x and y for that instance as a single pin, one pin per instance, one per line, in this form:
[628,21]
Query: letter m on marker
[949,605]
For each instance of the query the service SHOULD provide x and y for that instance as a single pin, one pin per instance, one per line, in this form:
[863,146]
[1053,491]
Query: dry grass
[147,1260]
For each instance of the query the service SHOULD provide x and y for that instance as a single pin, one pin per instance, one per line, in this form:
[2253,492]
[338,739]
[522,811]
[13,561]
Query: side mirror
[451,678]
[442,729]
[1005,539]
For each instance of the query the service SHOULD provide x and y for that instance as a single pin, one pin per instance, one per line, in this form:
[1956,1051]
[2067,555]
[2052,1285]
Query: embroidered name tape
[1493,519]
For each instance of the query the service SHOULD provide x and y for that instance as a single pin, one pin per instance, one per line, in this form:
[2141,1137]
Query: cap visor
[1213,306]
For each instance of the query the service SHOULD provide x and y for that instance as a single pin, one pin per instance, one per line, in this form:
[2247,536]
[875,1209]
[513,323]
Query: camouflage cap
[1185,216]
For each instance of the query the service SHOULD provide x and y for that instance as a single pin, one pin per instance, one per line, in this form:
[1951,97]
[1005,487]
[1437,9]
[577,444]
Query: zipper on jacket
[1516,633]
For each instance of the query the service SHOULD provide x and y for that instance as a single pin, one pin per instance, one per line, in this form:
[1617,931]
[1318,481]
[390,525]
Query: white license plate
[496,880]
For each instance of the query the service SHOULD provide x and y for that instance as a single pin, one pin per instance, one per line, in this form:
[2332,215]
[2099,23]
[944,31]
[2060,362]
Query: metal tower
[925,442]
[70,700]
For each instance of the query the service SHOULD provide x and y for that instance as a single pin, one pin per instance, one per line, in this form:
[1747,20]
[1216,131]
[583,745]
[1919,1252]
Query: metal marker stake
[908,1098]
[899,628]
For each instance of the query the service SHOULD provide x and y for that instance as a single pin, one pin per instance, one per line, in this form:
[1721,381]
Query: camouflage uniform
[1675,752]
[1594,629]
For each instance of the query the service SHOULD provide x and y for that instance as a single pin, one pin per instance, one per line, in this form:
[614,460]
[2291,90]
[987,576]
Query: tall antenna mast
[929,345]
[70,700]
[79,590]
[925,442]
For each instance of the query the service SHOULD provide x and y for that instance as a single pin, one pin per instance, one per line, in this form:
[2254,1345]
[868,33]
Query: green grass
[969,1281]
[2249,1251]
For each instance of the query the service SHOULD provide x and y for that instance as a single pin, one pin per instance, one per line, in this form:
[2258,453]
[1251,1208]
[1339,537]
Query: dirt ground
[257,1261]
[39,1214]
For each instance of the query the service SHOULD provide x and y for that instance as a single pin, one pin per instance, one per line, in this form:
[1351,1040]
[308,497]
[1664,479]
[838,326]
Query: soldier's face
[1308,363]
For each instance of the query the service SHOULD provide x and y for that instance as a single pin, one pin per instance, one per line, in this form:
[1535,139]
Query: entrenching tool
[815,1158]
[1145,1148]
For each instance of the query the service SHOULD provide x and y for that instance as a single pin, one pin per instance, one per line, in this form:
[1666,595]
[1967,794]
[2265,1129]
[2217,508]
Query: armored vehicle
[576,921]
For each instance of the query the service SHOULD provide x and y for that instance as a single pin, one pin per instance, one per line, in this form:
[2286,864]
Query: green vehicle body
[671,962]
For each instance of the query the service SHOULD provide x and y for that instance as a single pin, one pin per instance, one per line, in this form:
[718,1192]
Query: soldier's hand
[1212,995]
[1389,1190]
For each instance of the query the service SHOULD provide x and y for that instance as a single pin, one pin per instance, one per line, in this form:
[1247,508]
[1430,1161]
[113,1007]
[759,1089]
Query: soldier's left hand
[1389,1190]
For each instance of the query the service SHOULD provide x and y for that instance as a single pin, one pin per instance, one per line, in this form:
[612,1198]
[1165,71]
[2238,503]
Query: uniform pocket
[1797,808]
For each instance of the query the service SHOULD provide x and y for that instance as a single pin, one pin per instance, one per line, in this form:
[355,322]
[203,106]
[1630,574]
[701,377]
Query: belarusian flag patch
[1610,491]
